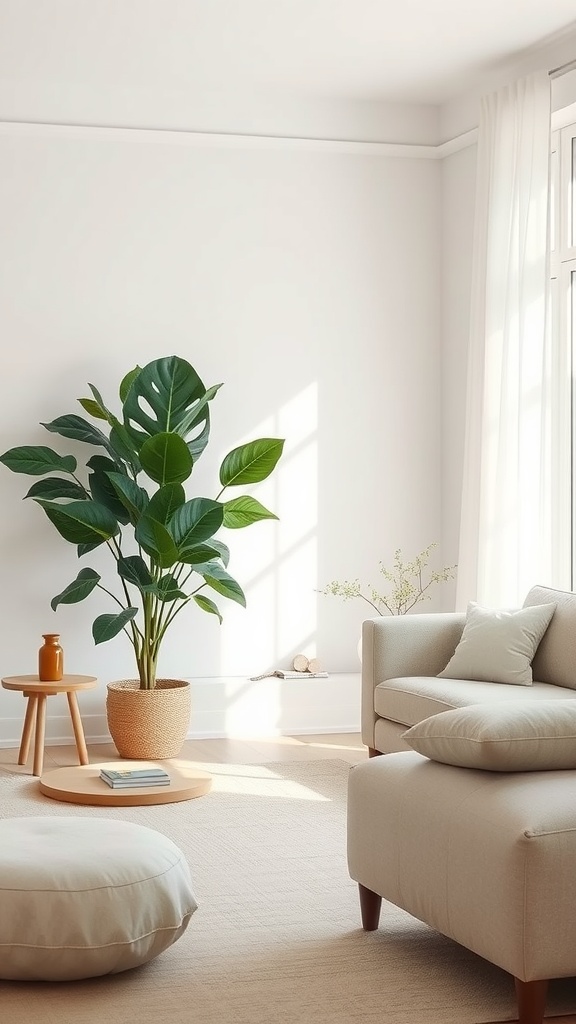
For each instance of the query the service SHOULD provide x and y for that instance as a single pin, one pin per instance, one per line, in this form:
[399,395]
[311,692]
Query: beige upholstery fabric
[82,897]
[411,699]
[402,656]
[498,645]
[555,659]
[404,645]
[513,736]
[389,736]
[485,858]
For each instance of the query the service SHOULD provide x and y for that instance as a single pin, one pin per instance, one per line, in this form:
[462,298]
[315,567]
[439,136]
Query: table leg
[78,728]
[29,719]
[39,738]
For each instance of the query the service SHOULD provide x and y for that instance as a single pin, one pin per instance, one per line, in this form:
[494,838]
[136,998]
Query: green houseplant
[132,499]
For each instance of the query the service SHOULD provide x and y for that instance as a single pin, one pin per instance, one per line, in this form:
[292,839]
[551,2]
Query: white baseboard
[232,708]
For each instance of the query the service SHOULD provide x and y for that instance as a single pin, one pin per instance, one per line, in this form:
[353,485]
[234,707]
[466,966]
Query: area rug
[277,935]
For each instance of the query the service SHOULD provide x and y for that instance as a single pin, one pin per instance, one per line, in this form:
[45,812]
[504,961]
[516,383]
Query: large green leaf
[165,502]
[195,522]
[198,413]
[53,487]
[81,587]
[122,445]
[156,541]
[152,531]
[243,511]
[251,462]
[127,381]
[134,570]
[85,549]
[199,555]
[169,590]
[104,492]
[78,429]
[133,497]
[103,464]
[166,459]
[162,395]
[222,549]
[199,442]
[105,627]
[217,578]
[37,460]
[207,605]
[81,522]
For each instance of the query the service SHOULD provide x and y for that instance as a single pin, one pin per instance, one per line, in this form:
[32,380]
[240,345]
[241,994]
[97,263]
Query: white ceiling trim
[21,129]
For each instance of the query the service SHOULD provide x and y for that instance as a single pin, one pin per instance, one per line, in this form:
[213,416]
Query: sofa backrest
[555,659]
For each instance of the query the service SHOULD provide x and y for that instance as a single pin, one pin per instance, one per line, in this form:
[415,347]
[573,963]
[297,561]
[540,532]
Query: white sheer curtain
[506,539]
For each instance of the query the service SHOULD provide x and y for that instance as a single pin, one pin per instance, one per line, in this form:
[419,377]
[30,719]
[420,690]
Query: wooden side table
[37,692]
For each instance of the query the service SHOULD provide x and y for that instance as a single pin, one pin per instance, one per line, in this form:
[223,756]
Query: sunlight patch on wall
[276,561]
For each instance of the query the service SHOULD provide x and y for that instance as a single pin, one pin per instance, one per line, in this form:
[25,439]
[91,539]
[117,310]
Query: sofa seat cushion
[409,699]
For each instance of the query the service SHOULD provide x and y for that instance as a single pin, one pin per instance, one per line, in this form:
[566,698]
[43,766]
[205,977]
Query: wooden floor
[203,753]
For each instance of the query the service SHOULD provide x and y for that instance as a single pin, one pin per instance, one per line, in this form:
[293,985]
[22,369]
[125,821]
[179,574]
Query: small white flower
[408,586]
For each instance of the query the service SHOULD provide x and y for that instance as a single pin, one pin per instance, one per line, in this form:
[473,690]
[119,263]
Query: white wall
[461,114]
[306,279]
[328,288]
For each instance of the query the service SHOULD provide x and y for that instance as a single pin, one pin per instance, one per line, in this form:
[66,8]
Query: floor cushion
[82,897]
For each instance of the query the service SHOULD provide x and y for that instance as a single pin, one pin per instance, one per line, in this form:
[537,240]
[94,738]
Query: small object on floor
[137,777]
[300,675]
[300,663]
[302,667]
[82,897]
[134,783]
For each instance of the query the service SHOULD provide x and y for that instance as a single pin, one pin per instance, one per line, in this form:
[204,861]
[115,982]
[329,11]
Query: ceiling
[417,51]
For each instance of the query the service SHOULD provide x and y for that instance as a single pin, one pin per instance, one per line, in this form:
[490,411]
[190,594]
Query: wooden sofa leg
[531,999]
[372,752]
[370,904]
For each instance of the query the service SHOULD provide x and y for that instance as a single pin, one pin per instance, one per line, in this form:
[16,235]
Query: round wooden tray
[81,784]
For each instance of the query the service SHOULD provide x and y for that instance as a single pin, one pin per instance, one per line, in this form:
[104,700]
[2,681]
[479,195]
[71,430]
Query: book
[117,775]
[300,675]
[135,783]
[281,673]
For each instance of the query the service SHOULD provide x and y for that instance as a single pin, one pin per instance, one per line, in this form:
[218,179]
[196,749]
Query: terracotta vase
[50,659]
[148,724]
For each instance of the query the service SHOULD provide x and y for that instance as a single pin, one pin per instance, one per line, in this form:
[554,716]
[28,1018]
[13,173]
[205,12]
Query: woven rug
[277,935]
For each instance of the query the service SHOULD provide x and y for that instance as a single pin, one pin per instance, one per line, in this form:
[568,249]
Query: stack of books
[131,779]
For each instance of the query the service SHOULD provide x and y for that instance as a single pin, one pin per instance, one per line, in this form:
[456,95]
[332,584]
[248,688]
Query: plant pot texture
[146,724]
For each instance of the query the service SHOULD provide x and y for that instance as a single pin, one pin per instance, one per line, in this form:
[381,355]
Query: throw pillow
[511,736]
[497,646]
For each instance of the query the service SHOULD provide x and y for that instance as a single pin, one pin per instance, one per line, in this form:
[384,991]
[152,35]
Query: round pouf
[81,897]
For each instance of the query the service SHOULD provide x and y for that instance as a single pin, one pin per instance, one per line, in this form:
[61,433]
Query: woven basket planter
[147,724]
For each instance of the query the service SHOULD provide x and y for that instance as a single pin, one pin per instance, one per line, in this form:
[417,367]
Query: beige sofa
[487,857]
[402,656]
